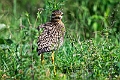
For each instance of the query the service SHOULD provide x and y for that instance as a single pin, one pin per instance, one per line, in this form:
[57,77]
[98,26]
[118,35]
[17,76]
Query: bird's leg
[42,59]
[52,57]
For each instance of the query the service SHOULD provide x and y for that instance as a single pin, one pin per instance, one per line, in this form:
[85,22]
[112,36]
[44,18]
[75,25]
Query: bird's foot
[54,70]
[42,62]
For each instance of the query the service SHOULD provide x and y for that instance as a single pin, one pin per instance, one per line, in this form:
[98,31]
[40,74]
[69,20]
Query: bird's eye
[53,14]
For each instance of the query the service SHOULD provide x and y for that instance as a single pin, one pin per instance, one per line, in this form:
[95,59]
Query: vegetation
[91,50]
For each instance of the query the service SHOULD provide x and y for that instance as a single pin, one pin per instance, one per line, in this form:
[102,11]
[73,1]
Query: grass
[80,58]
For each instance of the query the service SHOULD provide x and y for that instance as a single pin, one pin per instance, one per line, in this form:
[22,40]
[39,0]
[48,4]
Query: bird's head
[56,15]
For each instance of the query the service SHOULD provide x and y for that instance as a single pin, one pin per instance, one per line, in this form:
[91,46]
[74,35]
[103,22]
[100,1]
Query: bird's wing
[44,40]
[51,37]
[43,27]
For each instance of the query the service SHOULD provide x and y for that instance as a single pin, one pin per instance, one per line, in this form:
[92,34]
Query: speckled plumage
[53,33]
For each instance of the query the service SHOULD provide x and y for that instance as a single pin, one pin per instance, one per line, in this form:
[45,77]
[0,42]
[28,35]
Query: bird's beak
[60,17]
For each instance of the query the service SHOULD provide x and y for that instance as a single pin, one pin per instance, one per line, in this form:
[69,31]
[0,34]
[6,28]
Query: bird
[52,36]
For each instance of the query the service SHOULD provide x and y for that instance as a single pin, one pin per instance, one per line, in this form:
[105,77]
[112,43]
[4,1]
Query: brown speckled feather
[52,36]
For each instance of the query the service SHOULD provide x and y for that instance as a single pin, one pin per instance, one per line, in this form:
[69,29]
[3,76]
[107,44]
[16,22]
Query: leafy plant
[91,48]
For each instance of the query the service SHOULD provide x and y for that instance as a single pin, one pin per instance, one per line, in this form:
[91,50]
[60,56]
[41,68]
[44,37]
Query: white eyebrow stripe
[55,16]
